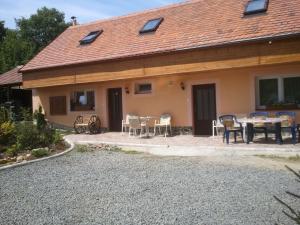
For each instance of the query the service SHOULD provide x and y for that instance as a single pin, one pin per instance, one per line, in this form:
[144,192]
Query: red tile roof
[12,77]
[192,24]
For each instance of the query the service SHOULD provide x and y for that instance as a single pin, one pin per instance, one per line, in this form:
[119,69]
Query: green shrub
[47,136]
[40,152]
[7,133]
[4,115]
[12,151]
[26,114]
[57,137]
[28,136]
[41,123]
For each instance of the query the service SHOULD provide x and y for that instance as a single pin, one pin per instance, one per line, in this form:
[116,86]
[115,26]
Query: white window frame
[142,93]
[280,88]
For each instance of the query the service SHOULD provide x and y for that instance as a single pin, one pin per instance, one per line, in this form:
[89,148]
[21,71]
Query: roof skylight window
[151,25]
[256,6]
[92,36]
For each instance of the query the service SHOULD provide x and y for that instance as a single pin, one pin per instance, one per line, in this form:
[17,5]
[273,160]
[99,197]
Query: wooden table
[247,123]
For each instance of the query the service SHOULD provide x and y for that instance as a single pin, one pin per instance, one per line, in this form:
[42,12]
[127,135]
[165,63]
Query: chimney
[74,21]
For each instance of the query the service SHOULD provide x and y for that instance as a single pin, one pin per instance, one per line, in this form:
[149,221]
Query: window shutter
[58,105]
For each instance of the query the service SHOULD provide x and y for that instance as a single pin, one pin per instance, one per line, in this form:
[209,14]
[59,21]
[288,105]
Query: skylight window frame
[95,34]
[262,10]
[144,31]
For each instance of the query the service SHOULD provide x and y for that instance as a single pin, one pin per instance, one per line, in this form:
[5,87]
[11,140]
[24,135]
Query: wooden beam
[31,81]
[277,59]
[176,63]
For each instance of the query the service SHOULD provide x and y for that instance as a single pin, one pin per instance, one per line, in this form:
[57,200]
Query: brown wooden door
[115,112]
[204,107]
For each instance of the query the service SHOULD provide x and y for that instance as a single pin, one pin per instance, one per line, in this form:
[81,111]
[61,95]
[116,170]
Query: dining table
[249,123]
[145,120]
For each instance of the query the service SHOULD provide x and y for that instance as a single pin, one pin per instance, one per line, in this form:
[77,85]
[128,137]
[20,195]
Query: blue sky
[84,10]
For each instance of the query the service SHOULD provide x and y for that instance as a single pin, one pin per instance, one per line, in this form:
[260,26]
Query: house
[11,90]
[195,60]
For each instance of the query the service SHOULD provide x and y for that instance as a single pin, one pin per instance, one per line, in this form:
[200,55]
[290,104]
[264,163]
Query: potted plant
[282,106]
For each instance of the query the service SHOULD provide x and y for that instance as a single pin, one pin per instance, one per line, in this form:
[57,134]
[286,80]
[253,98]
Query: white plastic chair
[125,123]
[216,125]
[164,121]
[135,125]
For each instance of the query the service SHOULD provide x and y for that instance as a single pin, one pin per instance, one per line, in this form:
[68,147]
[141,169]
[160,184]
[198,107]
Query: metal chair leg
[166,130]
[227,137]
[294,138]
[242,135]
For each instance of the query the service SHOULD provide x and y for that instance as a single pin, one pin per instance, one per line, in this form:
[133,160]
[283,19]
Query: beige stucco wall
[235,90]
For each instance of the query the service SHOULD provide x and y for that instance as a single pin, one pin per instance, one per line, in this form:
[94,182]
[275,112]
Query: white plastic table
[268,120]
[146,120]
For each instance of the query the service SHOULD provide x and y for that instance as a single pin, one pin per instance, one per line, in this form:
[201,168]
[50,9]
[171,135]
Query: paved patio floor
[187,145]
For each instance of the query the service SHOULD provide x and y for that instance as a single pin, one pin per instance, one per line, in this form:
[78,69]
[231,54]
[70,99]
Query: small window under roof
[90,37]
[256,6]
[151,25]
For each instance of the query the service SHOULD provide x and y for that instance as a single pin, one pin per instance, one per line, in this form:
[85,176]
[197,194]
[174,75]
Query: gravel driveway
[117,188]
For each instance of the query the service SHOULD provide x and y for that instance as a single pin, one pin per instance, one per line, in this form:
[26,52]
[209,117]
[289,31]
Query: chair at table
[231,125]
[135,125]
[298,129]
[288,123]
[216,125]
[125,123]
[260,127]
[164,122]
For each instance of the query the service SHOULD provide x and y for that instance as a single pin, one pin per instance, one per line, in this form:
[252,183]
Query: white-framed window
[143,88]
[283,90]
[82,100]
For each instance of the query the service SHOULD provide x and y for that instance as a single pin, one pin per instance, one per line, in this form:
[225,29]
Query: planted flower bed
[27,140]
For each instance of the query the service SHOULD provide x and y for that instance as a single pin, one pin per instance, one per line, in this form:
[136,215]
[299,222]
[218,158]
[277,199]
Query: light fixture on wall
[127,90]
[182,86]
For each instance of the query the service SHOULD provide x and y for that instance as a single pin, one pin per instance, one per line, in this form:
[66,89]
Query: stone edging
[41,159]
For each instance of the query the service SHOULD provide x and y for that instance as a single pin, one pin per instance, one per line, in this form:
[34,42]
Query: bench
[87,123]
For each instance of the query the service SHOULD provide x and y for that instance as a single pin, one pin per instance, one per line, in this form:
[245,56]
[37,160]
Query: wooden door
[204,108]
[115,112]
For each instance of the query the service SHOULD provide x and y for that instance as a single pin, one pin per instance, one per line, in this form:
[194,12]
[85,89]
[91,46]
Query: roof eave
[222,44]
[11,84]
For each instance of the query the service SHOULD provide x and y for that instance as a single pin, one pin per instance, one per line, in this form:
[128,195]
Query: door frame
[107,102]
[193,86]
[190,105]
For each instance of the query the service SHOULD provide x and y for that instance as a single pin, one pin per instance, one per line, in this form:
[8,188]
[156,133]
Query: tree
[42,28]
[14,51]
[31,36]
[2,31]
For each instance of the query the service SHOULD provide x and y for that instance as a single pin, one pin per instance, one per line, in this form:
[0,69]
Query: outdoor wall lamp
[182,86]
[127,90]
